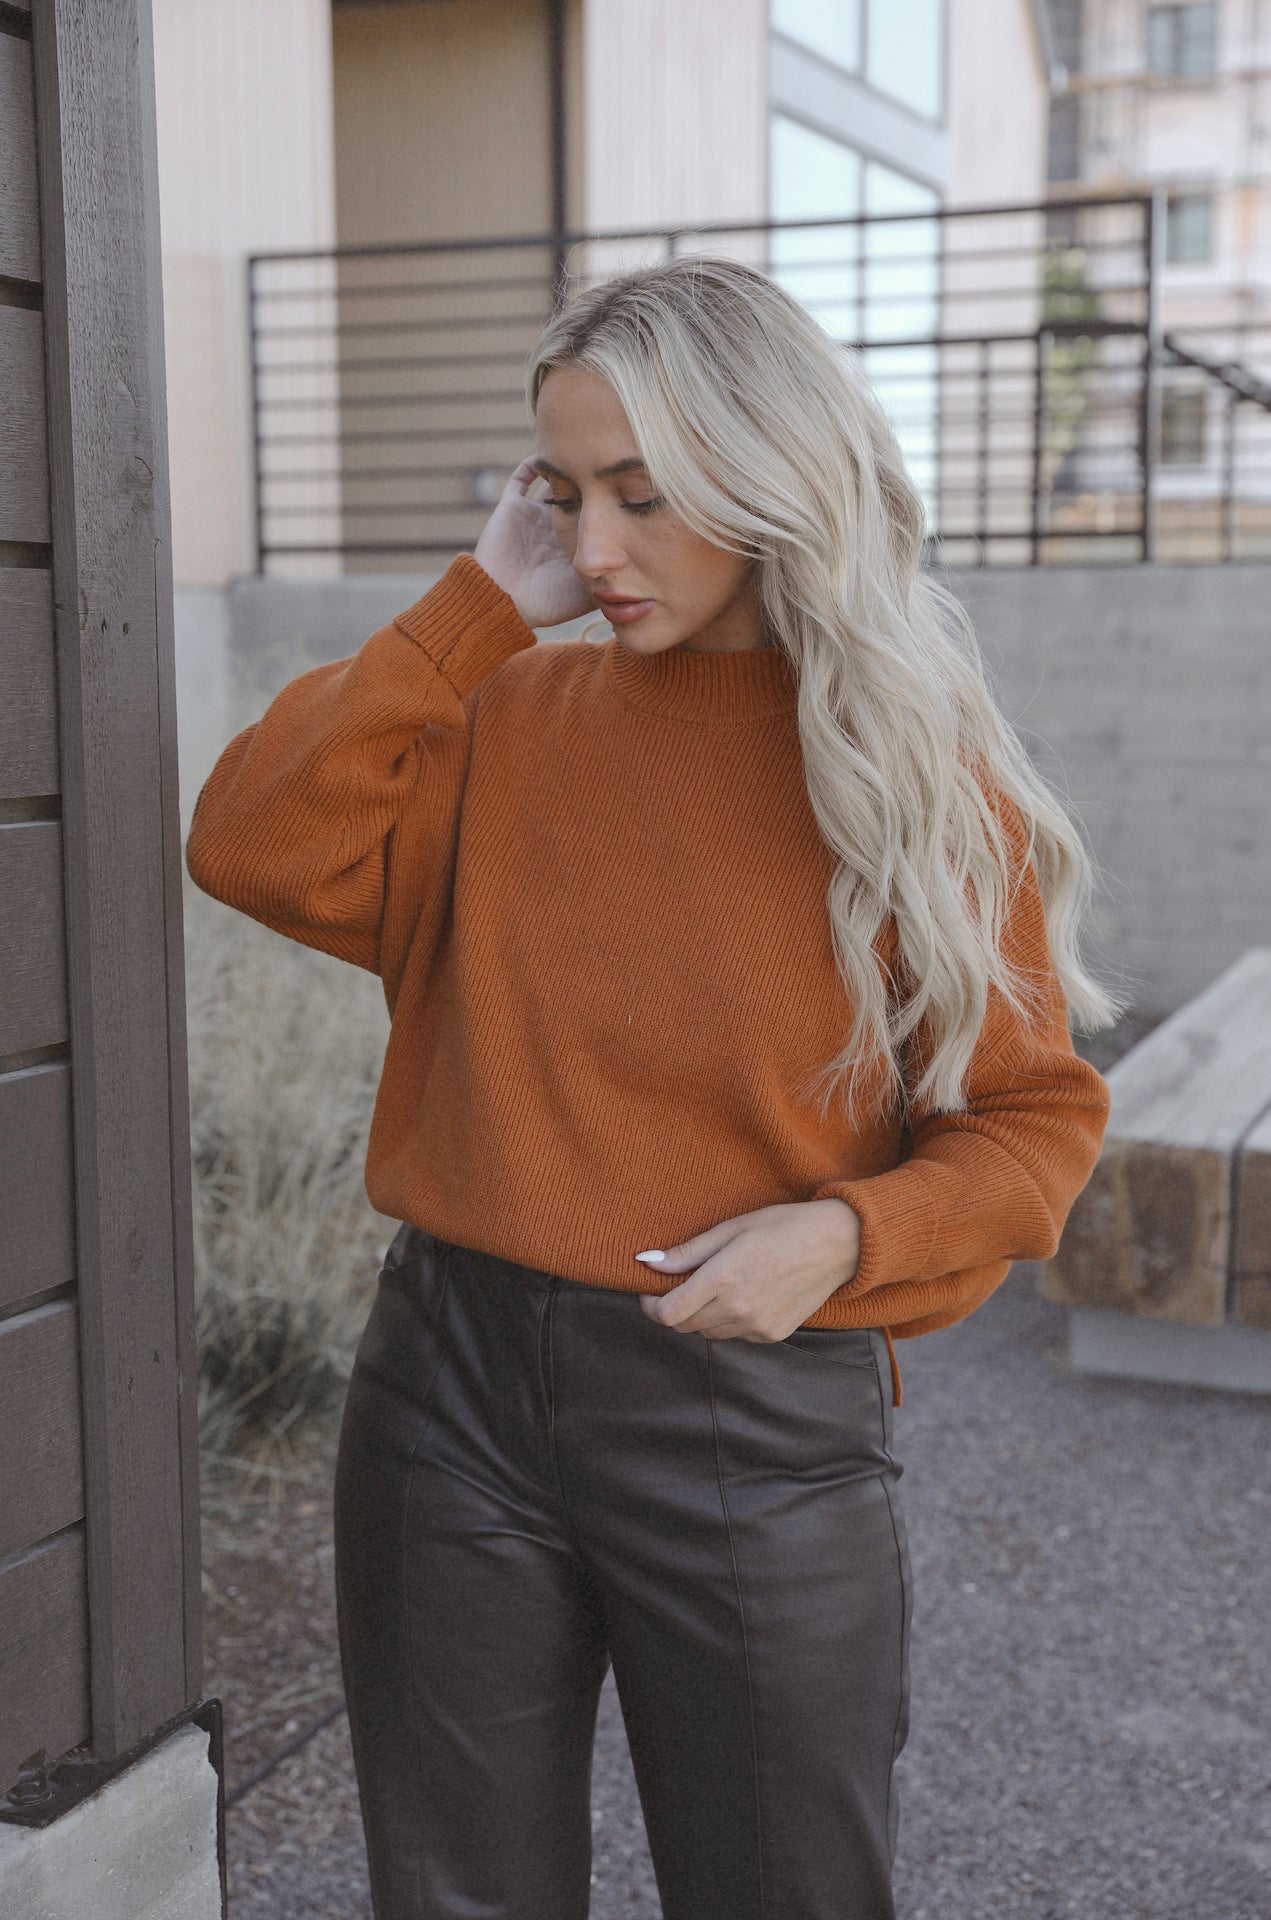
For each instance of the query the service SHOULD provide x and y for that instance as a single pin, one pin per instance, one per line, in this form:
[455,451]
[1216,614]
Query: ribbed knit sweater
[594,889]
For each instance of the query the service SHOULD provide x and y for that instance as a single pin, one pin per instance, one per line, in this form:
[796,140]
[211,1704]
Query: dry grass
[285,1049]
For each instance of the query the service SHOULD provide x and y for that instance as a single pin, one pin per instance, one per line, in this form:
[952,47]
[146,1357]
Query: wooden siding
[19,204]
[28,685]
[33,1008]
[99,1559]
[24,470]
[42,1490]
[37,1192]
[43,1653]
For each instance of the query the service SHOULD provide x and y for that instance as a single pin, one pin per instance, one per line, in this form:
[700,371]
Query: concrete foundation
[1132,1346]
[142,1848]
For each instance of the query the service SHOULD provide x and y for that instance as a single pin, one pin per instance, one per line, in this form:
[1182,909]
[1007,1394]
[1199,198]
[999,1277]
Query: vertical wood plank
[1251,1254]
[94,87]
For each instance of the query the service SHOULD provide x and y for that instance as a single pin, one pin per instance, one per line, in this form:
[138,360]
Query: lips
[621,609]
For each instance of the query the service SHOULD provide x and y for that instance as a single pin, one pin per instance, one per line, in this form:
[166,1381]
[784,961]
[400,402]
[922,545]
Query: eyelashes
[628,506]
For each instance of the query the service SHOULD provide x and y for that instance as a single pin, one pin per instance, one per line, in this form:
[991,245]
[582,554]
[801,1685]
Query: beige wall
[997,104]
[442,131]
[998,112]
[441,122]
[676,124]
[243,95]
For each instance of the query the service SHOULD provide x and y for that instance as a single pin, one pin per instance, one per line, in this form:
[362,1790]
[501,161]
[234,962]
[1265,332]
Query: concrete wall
[1151,687]
[1144,690]
[143,1847]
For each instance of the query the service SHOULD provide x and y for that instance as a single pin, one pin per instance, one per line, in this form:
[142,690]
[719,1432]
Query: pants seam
[424,1425]
[741,1614]
[548,1377]
[900,1567]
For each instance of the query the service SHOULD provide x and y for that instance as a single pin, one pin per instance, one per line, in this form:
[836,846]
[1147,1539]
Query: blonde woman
[730,959]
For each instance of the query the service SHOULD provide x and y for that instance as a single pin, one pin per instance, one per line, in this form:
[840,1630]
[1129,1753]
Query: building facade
[1176,100]
[371,122]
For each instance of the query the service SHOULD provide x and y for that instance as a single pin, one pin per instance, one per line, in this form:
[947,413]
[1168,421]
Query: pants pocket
[845,1346]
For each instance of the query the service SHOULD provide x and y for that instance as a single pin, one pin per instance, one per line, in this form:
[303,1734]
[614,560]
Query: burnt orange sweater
[594,889]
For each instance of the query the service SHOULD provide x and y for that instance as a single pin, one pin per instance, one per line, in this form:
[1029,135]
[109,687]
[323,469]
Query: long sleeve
[995,1182]
[298,822]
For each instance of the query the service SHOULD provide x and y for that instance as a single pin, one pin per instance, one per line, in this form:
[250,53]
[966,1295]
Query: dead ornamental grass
[285,1050]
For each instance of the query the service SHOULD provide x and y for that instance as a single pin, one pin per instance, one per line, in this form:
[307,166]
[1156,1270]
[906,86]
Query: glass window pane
[1188,226]
[1182,41]
[812,176]
[1160,39]
[902,301]
[904,52]
[1198,41]
[831,28]
[1182,427]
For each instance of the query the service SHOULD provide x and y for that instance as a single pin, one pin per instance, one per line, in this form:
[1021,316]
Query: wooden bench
[1165,1260]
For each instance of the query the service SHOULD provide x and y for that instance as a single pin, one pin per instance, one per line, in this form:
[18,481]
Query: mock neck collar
[718,688]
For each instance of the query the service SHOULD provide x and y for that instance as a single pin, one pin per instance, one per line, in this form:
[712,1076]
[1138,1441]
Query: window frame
[1173,18]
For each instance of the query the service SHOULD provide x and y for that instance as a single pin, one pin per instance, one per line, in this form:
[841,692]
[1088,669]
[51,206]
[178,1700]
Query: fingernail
[653,1253]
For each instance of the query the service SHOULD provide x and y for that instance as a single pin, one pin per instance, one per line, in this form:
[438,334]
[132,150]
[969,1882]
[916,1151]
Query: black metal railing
[1018,349]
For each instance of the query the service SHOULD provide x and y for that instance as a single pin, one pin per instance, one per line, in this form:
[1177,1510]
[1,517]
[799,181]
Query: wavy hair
[768,439]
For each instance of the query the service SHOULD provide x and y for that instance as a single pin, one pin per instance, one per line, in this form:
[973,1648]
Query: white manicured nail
[653,1253]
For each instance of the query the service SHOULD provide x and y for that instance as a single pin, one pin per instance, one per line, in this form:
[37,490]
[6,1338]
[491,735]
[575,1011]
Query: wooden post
[112,595]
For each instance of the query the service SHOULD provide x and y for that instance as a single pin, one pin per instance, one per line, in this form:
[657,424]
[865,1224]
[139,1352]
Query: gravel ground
[1091,1720]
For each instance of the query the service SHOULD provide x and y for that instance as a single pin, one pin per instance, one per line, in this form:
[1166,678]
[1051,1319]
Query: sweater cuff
[899,1217]
[466,624]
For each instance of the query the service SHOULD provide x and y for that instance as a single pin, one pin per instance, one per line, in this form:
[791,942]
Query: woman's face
[622,540]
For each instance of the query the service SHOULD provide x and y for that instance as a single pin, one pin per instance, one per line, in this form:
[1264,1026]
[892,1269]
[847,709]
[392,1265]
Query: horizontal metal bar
[345,474]
[600,237]
[375,546]
[389,438]
[383,290]
[465,320]
[375,365]
[308,509]
[385,399]
[1022,533]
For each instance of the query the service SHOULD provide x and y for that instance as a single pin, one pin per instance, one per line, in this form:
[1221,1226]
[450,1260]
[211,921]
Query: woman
[626,1393]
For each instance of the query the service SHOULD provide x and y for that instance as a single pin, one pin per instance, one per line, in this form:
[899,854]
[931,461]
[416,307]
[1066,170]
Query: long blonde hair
[767,438]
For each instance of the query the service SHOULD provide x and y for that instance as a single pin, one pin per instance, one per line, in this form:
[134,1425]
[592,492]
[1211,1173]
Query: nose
[598,552]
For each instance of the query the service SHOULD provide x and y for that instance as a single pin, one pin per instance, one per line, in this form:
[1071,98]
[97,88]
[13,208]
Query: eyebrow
[630,465]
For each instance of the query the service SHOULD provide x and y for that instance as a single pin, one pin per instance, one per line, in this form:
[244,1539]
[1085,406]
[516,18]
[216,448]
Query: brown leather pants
[535,1479]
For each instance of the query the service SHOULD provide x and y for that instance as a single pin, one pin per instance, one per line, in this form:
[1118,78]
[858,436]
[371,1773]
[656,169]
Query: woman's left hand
[758,1276]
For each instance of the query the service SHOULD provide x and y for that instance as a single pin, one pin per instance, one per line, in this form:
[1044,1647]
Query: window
[904,52]
[815,177]
[902,302]
[1182,41]
[831,28]
[1189,220]
[899,44]
[1183,427]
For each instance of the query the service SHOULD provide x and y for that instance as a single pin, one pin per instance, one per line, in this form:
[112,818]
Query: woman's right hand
[519,550]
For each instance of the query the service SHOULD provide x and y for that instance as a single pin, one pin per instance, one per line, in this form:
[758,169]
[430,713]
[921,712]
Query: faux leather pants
[534,1480]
